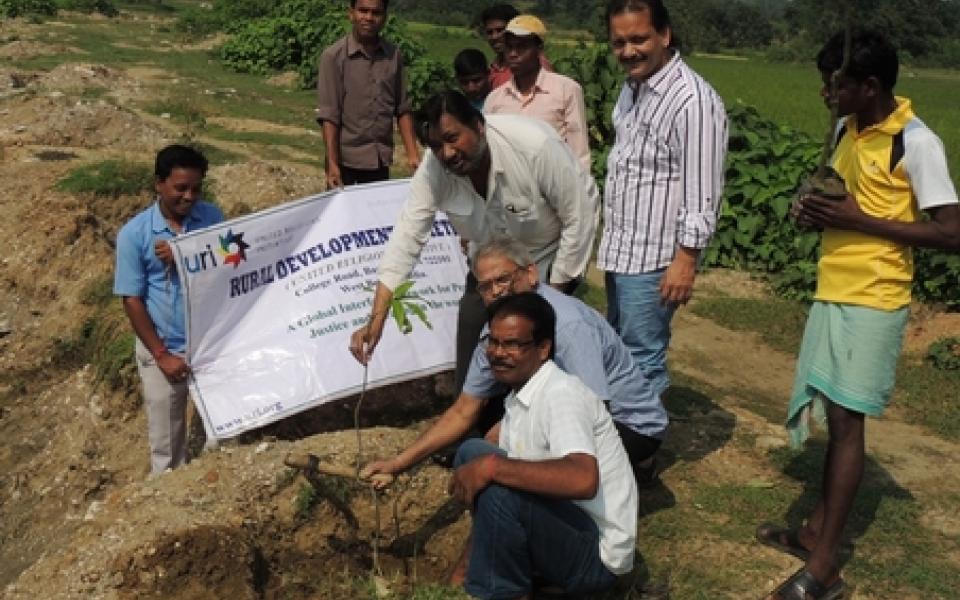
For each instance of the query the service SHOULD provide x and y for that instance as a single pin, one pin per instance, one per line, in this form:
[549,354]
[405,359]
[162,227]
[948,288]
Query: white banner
[272,298]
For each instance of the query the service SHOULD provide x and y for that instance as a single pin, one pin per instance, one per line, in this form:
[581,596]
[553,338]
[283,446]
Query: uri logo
[233,248]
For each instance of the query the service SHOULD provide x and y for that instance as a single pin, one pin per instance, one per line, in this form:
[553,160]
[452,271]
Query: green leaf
[417,309]
[400,316]
[402,289]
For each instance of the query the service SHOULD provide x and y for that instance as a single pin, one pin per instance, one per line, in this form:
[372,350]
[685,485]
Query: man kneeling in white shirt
[557,497]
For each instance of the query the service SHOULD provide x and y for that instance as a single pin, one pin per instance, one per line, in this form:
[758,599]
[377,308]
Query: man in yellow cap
[536,92]
[493,25]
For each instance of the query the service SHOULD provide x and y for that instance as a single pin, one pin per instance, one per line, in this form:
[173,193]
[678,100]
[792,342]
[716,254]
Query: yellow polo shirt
[894,169]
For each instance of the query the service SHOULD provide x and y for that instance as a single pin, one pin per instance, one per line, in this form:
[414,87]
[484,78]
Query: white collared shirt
[537,193]
[555,415]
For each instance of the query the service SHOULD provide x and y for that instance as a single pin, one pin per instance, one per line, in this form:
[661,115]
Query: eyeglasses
[485,287]
[489,343]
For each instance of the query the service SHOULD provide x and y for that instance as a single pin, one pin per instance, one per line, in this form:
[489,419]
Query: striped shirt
[664,172]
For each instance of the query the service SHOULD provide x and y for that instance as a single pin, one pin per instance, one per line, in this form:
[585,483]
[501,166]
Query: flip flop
[802,585]
[783,539]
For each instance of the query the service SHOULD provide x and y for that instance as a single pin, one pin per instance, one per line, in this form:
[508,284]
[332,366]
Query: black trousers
[351,176]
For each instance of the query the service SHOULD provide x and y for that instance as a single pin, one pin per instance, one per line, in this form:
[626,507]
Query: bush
[601,76]
[22,8]
[264,45]
[949,53]
[104,7]
[765,164]
[944,354]
[936,273]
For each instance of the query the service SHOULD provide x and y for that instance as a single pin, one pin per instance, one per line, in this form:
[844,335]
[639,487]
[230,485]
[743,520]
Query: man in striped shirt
[664,181]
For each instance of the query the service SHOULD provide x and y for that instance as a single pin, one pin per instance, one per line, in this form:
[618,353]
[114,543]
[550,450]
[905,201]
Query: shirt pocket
[461,206]
[522,217]
[385,87]
[649,152]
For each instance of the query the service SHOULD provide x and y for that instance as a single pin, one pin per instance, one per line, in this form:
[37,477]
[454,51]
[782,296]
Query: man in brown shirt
[361,89]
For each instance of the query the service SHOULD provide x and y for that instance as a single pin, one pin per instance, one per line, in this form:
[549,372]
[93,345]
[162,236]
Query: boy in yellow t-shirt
[894,168]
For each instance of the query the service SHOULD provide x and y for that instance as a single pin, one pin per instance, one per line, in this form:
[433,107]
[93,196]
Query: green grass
[437,592]
[666,537]
[929,395]
[735,508]
[108,178]
[103,339]
[897,553]
[891,555]
[891,545]
[944,354]
[94,93]
[98,292]
[307,498]
[779,322]
[444,42]
[180,111]
[310,145]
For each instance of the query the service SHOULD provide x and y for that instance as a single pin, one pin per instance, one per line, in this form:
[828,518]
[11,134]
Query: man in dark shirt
[361,89]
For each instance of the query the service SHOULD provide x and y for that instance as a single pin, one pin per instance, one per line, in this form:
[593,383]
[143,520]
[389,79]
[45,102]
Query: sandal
[782,539]
[802,585]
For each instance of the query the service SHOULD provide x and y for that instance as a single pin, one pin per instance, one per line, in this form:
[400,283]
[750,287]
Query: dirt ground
[80,518]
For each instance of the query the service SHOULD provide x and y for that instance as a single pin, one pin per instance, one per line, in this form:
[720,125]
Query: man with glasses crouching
[586,346]
[553,499]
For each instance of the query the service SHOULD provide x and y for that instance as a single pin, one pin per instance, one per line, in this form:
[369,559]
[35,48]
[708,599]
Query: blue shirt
[588,347]
[139,273]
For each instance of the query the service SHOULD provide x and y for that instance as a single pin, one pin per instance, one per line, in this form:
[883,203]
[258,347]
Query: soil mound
[58,120]
[239,524]
[256,184]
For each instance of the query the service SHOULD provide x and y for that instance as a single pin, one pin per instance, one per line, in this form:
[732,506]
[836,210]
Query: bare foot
[458,573]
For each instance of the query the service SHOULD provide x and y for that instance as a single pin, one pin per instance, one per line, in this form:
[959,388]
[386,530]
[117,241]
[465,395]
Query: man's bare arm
[405,124]
[172,366]
[575,476]
[331,139]
[941,231]
[450,427]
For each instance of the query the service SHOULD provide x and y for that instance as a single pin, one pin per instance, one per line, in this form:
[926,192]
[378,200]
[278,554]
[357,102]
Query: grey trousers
[166,405]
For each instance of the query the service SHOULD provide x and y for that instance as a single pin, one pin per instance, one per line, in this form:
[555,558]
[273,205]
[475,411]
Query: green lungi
[848,355]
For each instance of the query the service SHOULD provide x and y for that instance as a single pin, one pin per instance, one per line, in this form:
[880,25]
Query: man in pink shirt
[536,92]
